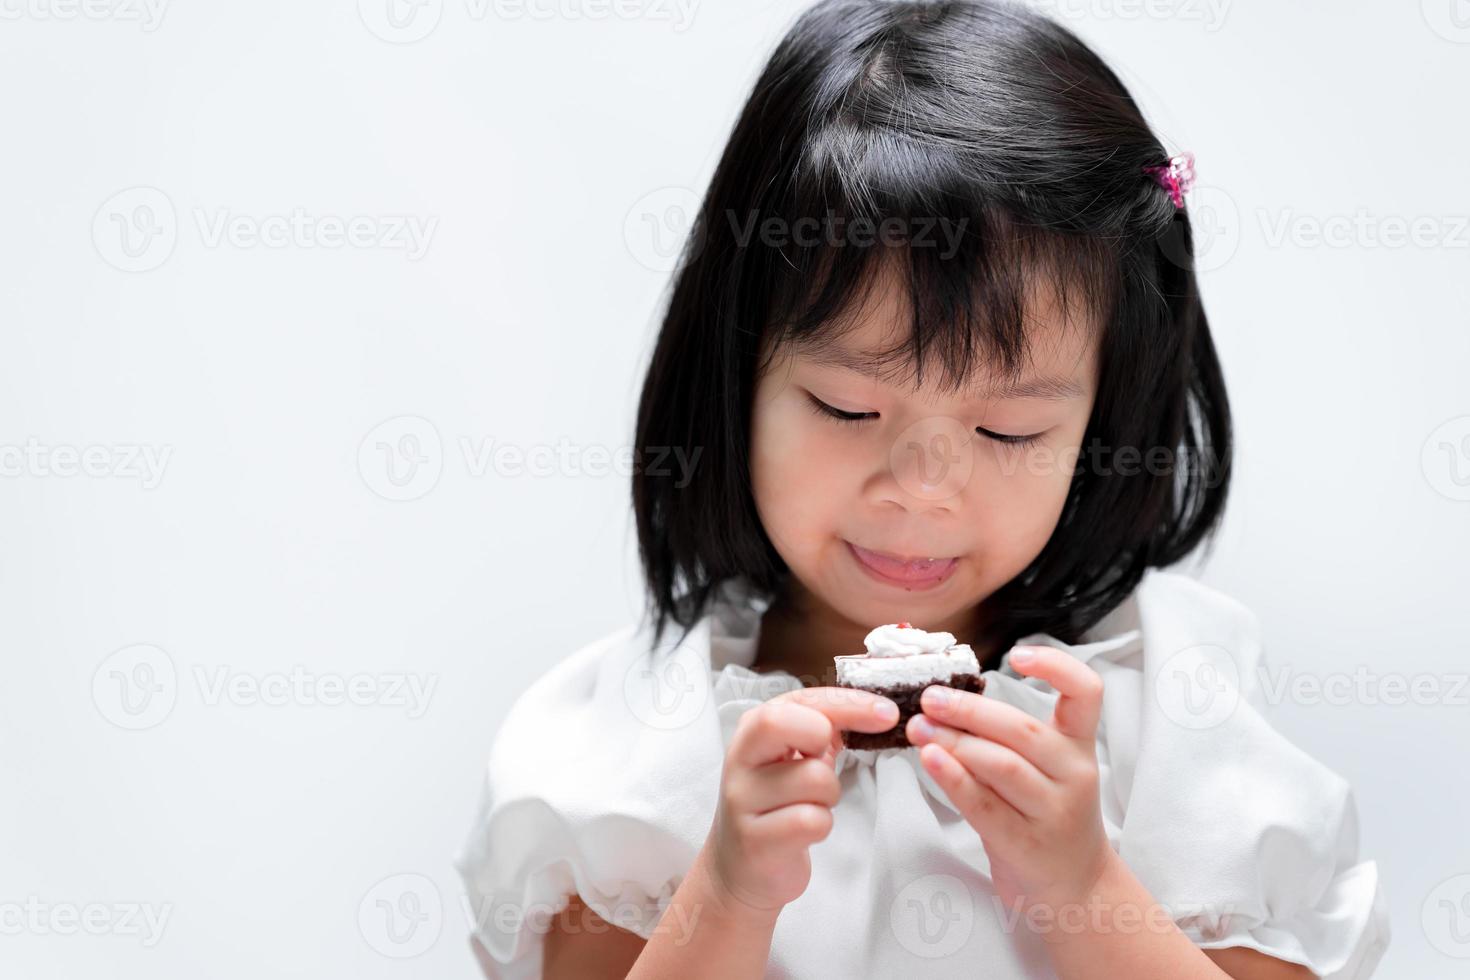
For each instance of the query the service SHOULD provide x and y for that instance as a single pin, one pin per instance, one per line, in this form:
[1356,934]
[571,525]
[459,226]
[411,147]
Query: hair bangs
[974,276]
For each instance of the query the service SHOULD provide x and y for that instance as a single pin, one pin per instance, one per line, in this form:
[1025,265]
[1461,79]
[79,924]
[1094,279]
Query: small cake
[901,661]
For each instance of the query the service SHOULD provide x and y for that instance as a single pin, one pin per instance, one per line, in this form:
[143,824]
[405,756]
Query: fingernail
[885,709]
[937,697]
[1022,655]
[922,728]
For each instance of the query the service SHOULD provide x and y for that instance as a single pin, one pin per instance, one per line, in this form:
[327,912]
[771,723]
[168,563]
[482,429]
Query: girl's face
[919,476]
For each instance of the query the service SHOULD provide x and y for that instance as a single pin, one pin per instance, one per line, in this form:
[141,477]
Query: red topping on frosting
[906,626]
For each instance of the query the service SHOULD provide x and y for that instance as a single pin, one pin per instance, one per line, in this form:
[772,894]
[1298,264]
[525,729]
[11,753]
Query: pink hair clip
[1177,176]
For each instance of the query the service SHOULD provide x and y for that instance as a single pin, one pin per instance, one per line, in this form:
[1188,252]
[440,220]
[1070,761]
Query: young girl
[938,350]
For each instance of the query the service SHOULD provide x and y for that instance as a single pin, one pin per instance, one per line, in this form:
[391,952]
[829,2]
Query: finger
[1000,722]
[1080,687]
[780,784]
[1019,782]
[769,732]
[982,807]
[799,823]
[847,707]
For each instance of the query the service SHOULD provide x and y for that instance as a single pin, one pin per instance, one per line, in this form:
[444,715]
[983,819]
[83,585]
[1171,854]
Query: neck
[801,635]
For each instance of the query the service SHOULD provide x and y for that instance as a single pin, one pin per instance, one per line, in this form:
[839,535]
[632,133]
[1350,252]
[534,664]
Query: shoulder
[574,679]
[590,655]
[590,792]
[1186,643]
[1164,589]
[614,727]
[564,719]
[1171,613]
[1219,814]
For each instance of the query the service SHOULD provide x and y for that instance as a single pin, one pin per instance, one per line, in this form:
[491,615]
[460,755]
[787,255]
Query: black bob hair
[983,116]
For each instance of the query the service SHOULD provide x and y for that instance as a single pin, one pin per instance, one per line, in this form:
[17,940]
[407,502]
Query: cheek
[1022,508]
[1021,493]
[798,475]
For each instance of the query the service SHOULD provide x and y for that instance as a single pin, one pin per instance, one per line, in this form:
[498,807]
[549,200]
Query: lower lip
[899,574]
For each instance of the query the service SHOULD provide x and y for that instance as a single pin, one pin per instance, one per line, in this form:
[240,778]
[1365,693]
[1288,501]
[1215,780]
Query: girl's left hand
[1029,789]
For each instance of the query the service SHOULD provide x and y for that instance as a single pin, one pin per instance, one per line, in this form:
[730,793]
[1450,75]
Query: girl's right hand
[777,790]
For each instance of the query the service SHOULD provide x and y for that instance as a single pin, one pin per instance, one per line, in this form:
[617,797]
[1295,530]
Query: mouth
[908,572]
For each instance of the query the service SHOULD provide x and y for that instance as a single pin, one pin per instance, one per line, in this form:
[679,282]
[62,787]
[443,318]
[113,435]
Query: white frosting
[905,641]
[905,655]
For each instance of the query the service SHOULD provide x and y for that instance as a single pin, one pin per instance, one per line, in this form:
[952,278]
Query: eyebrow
[1048,388]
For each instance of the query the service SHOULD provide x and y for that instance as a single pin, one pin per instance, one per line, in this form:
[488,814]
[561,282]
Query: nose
[927,465]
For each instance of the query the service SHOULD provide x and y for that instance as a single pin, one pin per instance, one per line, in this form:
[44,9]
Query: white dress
[604,776]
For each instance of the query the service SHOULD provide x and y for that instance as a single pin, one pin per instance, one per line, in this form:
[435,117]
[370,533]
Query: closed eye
[1010,440]
[856,418]
[837,414]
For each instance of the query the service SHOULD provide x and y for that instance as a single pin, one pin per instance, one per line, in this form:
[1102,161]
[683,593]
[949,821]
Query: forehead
[874,340]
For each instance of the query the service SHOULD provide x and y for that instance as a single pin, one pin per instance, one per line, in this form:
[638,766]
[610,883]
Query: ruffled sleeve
[1242,836]
[603,780]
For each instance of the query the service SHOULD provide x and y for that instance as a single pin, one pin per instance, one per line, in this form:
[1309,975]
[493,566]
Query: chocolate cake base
[906,696]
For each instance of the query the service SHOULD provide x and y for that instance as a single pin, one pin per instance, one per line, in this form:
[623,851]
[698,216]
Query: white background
[541,151]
